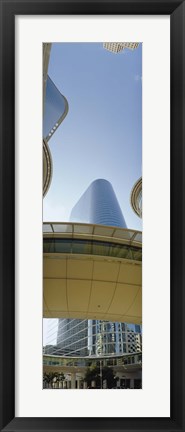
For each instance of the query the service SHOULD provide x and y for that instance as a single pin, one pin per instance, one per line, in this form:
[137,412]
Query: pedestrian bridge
[92,272]
[65,364]
[126,367]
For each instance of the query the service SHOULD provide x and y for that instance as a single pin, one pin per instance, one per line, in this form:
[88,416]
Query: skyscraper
[72,337]
[116,47]
[97,205]
[55,109]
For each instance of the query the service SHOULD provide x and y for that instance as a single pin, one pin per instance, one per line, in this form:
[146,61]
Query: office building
[98,205]
[116,47]
[72,337]
[75,337]
[55,109]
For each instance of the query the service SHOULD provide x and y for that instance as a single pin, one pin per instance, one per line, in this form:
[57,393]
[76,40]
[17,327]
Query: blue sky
[101,136]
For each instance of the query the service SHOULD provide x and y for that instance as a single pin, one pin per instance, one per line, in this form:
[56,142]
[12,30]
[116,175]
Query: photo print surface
[92,215]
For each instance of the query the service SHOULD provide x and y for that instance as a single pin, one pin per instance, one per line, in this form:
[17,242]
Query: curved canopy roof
[92,285]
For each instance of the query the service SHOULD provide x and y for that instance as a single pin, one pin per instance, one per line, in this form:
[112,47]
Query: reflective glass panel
[62,228]
[91,247]
[47,228]
[55,107]
[83,229]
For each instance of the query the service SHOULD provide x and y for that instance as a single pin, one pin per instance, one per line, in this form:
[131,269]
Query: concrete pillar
[104,384]
[73,380]
[85,385]
[132,383]
[78,384]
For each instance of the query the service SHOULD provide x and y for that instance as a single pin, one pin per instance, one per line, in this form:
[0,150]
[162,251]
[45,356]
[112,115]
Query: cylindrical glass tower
[98,205]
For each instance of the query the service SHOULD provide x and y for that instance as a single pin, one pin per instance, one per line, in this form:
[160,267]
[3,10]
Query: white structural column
[73,380]
[78,384]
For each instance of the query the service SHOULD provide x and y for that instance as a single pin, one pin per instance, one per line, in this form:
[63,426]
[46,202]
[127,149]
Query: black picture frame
[8,10]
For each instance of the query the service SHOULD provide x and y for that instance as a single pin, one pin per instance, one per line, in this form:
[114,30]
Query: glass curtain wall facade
[55,109]
[75,337]
[98,205]
[116,47]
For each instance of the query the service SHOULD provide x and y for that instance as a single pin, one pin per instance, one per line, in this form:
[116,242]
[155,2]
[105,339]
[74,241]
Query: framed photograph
[107,80]
[92,249]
